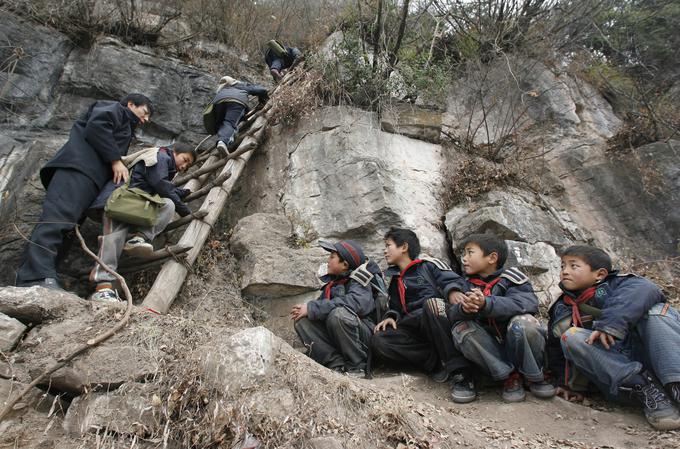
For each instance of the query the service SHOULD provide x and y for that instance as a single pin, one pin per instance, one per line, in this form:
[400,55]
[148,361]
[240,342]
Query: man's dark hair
[179,147]
[489,243]
[591,255]
[138,100]
[401,236]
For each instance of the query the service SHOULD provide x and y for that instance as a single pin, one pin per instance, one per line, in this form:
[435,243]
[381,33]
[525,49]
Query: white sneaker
[138,247]
[106,295]
[222,148]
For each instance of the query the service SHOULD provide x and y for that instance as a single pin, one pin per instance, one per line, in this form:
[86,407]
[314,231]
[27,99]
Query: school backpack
[370,273]
[278,48]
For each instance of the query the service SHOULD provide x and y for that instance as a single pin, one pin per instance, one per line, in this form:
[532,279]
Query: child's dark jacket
[622,299]
[418,288]
[511,295]
[349,291]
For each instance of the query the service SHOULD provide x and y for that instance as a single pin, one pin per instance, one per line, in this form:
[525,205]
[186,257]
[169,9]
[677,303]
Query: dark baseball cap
[350,251]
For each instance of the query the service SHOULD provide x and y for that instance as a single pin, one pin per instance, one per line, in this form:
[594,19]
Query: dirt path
[533,423]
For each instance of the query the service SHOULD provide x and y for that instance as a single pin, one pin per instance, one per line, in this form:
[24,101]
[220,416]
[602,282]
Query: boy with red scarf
[619,332]
[336,327]
[415,331]
[494,326]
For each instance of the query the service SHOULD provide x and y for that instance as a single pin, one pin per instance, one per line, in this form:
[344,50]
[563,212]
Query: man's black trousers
[69,194]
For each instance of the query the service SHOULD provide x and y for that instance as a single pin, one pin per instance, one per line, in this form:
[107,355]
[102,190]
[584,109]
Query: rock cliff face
[339,172]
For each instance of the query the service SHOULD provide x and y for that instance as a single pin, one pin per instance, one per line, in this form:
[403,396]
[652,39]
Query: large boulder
[513,215]
[419,122]
[513,94]
[274,262]
[349,179]
[132,409]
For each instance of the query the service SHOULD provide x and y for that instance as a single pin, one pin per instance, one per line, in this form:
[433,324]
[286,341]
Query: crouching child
[494,326]
[618,331]
[337,326]
[415,331]
[152,171]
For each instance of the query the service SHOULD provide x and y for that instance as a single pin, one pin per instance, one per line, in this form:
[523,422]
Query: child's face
[576,274]
[335,267]
[394,253]
[475,262]
[183,161]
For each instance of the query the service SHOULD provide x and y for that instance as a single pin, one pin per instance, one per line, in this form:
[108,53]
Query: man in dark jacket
[231,104]
[415,330]
[619,332]
[153,175]
[494,326]
[337,326]
[74,177]
[279,58]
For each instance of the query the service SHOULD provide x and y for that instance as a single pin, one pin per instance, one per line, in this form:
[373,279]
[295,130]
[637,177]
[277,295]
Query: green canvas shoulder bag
[133,205]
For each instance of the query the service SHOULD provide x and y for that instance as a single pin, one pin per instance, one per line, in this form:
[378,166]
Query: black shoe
[463,388]
[659,410]
[440,376]
[48,283]
[673,389]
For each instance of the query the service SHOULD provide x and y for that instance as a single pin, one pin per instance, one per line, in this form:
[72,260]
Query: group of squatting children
[607,331]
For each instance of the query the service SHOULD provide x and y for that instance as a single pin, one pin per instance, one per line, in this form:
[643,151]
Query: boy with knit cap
[336,327]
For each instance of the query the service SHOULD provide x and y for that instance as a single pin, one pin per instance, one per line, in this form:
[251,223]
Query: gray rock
[35,399]
[131,409]
[511,214]
[11,331]
[37,304]
[273,261]
[541,263]
[517,94]
[34,56]
[419,122]
[348,179]
[239,361]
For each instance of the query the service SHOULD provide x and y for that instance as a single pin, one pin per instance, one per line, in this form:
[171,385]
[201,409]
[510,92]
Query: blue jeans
[233,112]
[522,349]
[652,344]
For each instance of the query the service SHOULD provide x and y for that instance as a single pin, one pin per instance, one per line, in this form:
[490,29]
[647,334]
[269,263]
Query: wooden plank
[171,277]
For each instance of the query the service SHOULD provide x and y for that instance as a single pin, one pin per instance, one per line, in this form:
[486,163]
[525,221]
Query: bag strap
[430,279]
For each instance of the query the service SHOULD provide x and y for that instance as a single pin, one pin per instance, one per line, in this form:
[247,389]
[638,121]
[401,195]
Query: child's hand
[456,297]
[476,297]
[469,307]
[605,339]
[381,326]
[299,311]
[569,395]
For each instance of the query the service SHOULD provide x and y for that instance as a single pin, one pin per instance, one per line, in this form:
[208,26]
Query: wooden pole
[171,277]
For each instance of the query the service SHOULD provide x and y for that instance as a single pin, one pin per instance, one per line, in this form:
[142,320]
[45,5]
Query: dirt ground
[533,423]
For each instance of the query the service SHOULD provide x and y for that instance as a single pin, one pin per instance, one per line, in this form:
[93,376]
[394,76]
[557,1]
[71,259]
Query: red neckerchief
[329,286]
[486,290]
[400,284]
[574,302]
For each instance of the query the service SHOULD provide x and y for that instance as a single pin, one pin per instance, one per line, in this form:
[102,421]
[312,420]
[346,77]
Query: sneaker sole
[138,251]
[514,398]
[665,423]
[463,399]
[544,394]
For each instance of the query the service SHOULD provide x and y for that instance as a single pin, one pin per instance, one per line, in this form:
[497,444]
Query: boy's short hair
[489,243]
[594,257]
[179,147]
[401,236]
[138,100]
